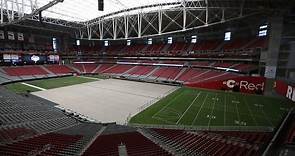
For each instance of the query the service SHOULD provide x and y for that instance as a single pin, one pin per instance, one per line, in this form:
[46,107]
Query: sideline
[91,78]
[33,86]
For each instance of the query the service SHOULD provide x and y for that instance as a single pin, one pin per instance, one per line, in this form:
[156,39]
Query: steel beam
[35,11]
[183,18]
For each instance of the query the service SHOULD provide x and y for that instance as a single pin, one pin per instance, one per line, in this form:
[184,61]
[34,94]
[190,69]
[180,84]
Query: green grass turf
[48,84]
[20,88]
[205,108]
[97,76]
[59,82]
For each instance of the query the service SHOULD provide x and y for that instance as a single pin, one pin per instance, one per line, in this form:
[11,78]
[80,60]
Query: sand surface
[108,100]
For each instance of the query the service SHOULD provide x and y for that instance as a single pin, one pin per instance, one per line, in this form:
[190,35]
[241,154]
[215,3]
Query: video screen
[10,58]
[53,58]
[34,59]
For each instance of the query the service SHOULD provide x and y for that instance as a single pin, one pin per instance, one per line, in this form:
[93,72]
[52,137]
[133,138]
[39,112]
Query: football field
[204,108]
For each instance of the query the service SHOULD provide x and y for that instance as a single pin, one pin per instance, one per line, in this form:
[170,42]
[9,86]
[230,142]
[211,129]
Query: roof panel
[83,10]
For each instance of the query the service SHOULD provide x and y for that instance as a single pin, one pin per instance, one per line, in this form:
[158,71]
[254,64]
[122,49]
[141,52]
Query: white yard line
[168,104]
[33,86]
[239,118]
[234,101]
[251,113]
[210,117]
[224,110]
[199,110]
[188,108]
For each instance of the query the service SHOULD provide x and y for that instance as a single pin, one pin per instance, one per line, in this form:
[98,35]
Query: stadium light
[78,43]
[263,27]
[227,36]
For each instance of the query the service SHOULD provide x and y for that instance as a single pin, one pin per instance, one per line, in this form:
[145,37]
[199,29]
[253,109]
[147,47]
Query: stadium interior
[150,78]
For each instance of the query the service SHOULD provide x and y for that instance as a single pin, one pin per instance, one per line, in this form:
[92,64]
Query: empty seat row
[8,119]
[204,143]
[135,143]
[22,71]
[46,144]
[180,48]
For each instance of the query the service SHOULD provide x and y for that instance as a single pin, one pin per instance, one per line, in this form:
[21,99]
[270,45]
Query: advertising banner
[244,84]
[284,89]
[10,58]
[53,58]
[34,59]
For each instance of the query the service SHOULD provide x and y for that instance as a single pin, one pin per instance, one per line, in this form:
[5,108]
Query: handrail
[277,133]
[210,128]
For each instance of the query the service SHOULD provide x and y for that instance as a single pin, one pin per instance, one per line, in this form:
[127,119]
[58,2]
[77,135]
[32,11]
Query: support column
[126,26]
[207,11]
[100,27]
[274,43]
[272,54]
[184,18]
[114,28]
[160,20]
[139,22]
[89,31]
[291,63]
[1,12]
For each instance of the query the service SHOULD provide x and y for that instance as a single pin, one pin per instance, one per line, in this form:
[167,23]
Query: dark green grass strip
[20,88]
[47,84]
[60,82]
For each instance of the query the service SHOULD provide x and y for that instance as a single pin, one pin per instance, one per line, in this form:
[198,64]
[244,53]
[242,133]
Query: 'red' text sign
[284,89]
[246,84]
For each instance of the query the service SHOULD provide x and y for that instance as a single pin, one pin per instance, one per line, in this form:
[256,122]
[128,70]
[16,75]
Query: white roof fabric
[84,10]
